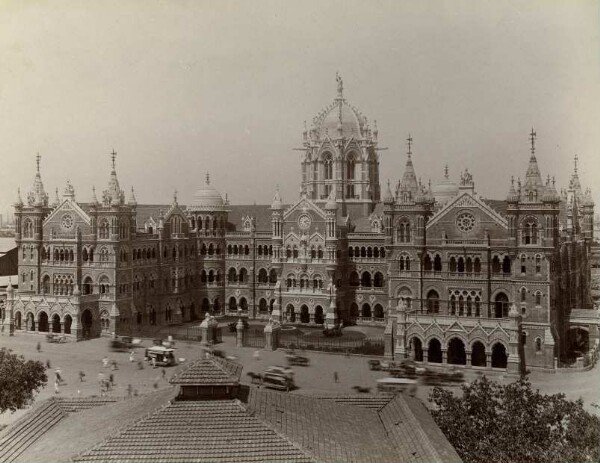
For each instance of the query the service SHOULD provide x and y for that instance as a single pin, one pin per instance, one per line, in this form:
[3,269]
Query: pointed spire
[19,202]
[512,193]
[389,197]
[37,196]
[132,201]
[208,178]
[409,141]
[175,197]
[113,156]
[56,199]
[446,171]
[113,194]
[532,137]
[533,177]
[94,200]
[574,183]
[409,178]
[276,203]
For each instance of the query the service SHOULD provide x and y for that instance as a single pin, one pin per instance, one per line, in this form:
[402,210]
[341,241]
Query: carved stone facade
[440,267]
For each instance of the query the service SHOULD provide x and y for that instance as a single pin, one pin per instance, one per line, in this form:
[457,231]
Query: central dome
[207,197]
[340,115]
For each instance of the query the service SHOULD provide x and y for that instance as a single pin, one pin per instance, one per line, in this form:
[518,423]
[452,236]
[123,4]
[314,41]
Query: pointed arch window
[328,166]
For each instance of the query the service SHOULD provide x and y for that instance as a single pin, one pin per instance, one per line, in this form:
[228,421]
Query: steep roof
[197,431]
[213,371]
[260,212]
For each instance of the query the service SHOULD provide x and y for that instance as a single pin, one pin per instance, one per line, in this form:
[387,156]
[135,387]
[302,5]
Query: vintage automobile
[431,377]
[54,337]
[374,365]
[161,356]
[277,381]
[293,359]
[279,370]
[394,385]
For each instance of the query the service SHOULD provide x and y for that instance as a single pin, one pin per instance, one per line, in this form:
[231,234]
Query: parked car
[121,344]
[375,365]
[294,359]
[395,385]
[277,381]
[279,370]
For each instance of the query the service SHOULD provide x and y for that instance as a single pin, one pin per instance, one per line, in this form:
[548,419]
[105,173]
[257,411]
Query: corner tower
[340,155]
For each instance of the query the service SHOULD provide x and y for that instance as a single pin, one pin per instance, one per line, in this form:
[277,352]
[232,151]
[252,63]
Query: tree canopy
[19,380]
[514,423]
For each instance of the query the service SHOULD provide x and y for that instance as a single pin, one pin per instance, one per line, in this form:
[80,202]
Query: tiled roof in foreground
[197,431]
[213,371]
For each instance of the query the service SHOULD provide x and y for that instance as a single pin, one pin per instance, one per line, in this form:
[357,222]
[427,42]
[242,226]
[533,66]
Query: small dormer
[211,378]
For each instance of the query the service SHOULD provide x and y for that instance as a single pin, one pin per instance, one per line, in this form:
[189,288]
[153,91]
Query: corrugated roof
[211,371]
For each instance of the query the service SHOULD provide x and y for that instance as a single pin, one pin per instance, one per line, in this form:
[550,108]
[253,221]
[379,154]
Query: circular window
[465,222]
[67,222]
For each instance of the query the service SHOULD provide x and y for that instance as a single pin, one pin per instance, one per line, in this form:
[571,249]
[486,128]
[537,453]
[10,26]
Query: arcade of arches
[457,353]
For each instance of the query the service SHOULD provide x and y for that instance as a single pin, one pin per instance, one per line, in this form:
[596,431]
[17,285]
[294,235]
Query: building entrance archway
[434,352]
[456,352]
[86,323]
[18,320]
[319,319]
[478,358]
[67,324]
[304,314]
[43,322]
[55,323]
[499,357]
[290,314]
[417,348]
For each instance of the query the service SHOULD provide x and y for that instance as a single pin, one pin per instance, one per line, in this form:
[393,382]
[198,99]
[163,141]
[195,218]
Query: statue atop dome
[340,85]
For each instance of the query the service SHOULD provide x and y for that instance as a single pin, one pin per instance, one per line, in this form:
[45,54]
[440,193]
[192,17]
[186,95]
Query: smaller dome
[207,197]
[446,189]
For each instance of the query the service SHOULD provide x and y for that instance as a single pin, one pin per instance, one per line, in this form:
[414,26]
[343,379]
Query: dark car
[293,359]
[374,365]
[120,345]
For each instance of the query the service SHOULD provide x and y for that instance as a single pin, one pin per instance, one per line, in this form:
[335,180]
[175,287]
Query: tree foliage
[19,380]
[514,423]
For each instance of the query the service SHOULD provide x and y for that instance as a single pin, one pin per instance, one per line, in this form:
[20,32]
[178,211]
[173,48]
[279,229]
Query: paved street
[318,378]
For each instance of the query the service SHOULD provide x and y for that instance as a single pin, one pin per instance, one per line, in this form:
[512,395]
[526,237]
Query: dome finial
[409,141]
[532,137]
[37,162]
[575,159]
[446,171]
[113,156]
[340,85]
[207,178]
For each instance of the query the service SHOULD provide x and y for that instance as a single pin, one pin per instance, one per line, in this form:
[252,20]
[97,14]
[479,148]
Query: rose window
[465,222]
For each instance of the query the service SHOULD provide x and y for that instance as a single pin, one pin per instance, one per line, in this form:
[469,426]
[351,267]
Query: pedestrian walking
[105,362]
[140,365]
[164,373]
[131,356]
[153,362]
[57,375]
[39,347]
[111,380]
[336,379]
[129,390]
[114,365]
[48,364]
[256,355]
[56,389]
[81,376]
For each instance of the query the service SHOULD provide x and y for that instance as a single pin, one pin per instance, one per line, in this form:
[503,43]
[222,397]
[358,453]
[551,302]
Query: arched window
[295,252]
[262,276]
[538,264]
[452,266]
[354,281]
[461,265]
[538,344]
[27,228]
[437,263]
[427,263]
[365,280]
[232,275]
[404,232]
[538,298]
[495,264]
[328,166]
[433,302]
[378,280]
[477,265]
[469,265]
[506,267]
[320,253]
[273,276]
[523,264]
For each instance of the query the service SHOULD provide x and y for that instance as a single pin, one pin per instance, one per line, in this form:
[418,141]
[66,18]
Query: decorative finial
[512,180]
[446,171]
[37,161]
[575,160]
[548,180]
[553,181]
[409,141]
[207,178]
[532,137]
[174,196]
[113,156]
[340,85]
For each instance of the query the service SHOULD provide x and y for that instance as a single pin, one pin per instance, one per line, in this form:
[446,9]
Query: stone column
[114,316]
[468,365]
[205,331]
[239,330]
[9,316]
[515,362]
[331,319]
[444,355]
[401,329]
[425,356]
[271,335]
[388,337]
[488,360]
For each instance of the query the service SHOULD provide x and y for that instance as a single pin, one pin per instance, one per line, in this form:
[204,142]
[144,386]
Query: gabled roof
[304,204]
[72,206]
[467,199]
[212,371]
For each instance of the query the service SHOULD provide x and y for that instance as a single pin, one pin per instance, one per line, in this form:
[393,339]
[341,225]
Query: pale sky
[181,88]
